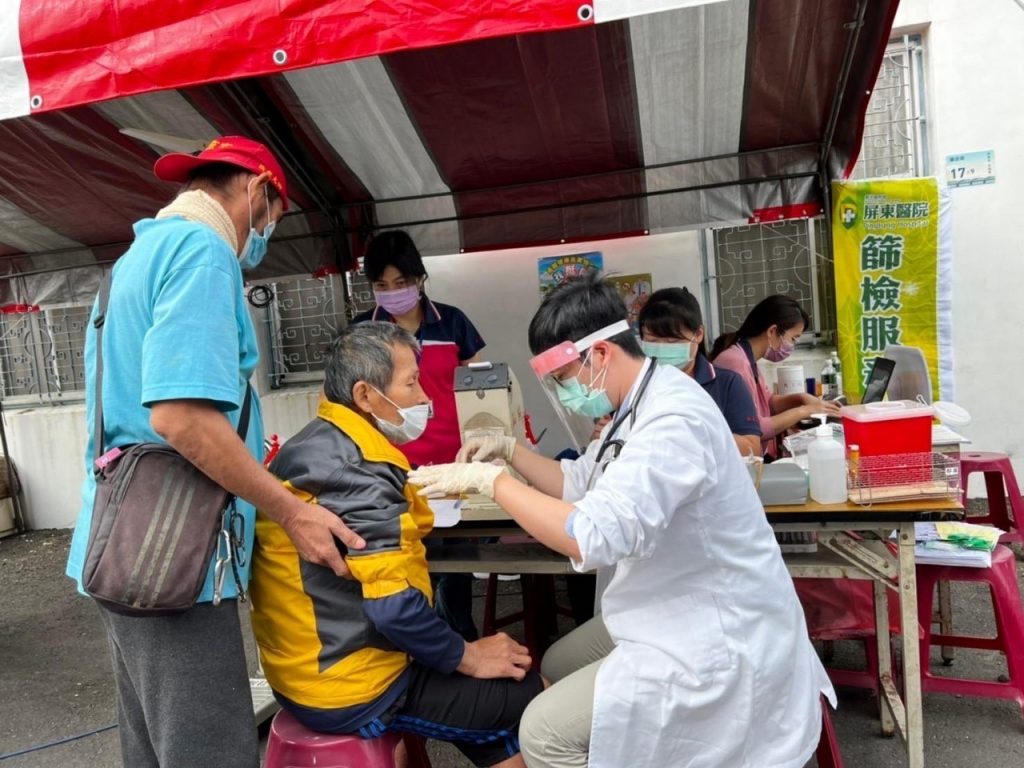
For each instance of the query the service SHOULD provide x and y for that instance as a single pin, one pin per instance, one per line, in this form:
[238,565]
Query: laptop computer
[878,380]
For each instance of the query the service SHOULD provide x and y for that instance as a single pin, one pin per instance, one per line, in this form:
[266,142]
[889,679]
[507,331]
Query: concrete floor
[55,680]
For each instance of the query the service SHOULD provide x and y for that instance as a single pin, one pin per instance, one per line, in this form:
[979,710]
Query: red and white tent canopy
[473,125]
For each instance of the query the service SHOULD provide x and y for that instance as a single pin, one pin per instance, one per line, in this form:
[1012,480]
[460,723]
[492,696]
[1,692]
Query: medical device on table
[488,401]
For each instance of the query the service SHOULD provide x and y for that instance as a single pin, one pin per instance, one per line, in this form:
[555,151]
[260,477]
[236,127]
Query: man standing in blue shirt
[178,350]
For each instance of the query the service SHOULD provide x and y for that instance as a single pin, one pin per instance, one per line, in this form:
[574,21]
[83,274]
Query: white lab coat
[712,667]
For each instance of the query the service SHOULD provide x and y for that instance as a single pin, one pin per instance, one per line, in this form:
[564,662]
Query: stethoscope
[616,444]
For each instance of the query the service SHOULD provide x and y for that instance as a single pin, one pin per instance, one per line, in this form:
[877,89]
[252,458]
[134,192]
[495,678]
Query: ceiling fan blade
[165,141]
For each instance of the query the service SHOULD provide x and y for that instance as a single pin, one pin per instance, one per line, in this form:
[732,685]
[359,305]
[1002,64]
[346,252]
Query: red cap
[237,150]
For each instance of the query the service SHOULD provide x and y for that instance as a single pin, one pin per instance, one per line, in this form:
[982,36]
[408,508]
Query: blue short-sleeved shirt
[730,394]
[177,327]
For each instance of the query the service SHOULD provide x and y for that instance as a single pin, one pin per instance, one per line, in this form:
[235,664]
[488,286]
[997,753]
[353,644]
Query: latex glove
[455,479]
[487,448]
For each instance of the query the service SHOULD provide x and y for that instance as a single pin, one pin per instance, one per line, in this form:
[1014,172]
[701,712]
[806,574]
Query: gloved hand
[453,479]
[487,449]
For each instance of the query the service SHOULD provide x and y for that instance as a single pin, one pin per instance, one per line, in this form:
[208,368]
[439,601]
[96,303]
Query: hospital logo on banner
[886,247]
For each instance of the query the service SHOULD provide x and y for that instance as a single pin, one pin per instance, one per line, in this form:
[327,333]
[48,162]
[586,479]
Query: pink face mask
[780,354]
[785,349]
[398,302]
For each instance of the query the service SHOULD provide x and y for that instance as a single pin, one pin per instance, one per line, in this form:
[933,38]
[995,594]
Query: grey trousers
[555,729]
[183,689]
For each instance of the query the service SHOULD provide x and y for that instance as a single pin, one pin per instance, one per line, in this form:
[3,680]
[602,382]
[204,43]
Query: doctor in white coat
[700,656]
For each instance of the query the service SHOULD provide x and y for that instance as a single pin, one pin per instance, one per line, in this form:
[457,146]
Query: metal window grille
[753,262]
[42,354]
[360,293]
[895,124]
[303,317]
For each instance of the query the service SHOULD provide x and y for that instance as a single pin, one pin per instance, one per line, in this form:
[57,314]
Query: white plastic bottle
[826,463]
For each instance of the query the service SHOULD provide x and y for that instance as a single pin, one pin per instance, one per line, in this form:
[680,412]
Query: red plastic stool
[293,745]
[1009,640]
[828,754]
[842,609]
[1000,482]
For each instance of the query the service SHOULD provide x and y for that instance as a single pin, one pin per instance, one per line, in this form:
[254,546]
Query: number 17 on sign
[971,169]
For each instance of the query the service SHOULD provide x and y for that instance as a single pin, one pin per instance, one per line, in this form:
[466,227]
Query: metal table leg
[914,723]
[945,620]
[886,687]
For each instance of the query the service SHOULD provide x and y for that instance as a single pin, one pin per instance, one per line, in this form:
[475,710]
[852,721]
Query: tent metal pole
[586,176]
[597,201]
[854,27]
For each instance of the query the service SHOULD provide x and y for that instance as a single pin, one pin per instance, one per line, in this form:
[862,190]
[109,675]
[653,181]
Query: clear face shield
[576,392]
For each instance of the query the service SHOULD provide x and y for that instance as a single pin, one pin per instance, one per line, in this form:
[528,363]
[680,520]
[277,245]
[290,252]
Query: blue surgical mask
[255,247]
[676,354]
[583,399]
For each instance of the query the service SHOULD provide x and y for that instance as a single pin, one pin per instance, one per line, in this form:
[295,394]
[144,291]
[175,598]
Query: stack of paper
[960,544]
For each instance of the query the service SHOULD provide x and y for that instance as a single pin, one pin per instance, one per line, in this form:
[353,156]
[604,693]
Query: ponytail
[722,343]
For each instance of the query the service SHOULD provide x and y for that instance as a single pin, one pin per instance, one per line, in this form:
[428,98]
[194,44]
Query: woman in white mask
[769,331]
[672,333]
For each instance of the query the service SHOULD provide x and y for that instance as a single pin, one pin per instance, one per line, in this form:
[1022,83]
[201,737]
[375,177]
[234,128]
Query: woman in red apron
[448,339]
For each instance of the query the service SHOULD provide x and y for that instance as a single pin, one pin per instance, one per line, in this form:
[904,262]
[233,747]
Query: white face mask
[414,421]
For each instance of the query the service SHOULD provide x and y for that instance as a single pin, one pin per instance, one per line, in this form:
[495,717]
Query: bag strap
[243,420]
[102,299]
[98,322]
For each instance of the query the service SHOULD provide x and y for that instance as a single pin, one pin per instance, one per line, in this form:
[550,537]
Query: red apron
[442,439]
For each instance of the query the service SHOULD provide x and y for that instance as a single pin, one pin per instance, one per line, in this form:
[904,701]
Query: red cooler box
[880,429]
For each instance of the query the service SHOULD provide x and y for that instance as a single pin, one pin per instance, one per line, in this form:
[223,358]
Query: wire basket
[904,477]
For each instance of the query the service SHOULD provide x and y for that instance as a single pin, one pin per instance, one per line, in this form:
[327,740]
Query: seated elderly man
[371,655]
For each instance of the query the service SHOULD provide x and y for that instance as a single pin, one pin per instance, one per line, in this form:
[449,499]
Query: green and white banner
[892,246]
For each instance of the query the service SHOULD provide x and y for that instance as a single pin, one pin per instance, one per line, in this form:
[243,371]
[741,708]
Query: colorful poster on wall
[891,243]
[634,290]
[554,270]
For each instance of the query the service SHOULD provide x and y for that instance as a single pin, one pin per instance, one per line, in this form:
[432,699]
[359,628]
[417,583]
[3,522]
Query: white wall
[47,445]
[975,81]
[499,291]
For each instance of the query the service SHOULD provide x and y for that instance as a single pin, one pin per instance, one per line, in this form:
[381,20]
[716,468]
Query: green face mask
[588,400]
[678,354]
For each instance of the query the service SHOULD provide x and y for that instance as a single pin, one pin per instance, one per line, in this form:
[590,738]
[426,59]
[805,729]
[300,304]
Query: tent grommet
[585,12]
[36,101]
[280,56]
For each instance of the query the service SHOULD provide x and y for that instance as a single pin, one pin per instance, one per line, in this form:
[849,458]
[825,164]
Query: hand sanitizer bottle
[826,466]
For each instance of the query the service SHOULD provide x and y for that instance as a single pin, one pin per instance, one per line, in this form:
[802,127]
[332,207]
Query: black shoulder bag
[156,519]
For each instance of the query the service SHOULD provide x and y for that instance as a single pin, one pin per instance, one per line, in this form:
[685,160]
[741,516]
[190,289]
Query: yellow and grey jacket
[333,643]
